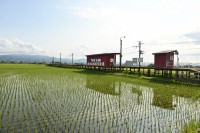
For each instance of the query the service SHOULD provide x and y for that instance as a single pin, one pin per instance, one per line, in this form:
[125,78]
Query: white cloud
[153,22]
[164,24]
[188,47]
[101,13]
[194,35]
[18,46]
[79,51]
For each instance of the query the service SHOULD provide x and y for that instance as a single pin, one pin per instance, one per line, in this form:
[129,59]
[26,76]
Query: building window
[171,57]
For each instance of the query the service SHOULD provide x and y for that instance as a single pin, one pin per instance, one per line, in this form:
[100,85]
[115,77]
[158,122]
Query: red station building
[164,59]
[105,59]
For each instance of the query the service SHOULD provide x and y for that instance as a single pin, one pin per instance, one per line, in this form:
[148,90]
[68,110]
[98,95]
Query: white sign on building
[140,59]
[134,60]
[128,63]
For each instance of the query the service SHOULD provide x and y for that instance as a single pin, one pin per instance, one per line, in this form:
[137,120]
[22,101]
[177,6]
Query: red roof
[166,52]
[103,54]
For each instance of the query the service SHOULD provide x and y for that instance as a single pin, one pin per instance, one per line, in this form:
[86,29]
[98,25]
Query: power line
[129,53]
[117,50]
[186,42]
[189,48]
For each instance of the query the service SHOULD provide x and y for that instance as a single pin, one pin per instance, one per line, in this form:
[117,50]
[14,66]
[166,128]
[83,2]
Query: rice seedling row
[73,102]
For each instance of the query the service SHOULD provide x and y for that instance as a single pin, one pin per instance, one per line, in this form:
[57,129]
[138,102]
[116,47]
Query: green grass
[191,127]
[39,98]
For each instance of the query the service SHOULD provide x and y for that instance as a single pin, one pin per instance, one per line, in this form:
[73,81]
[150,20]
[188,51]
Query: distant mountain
[36,59]
[196,64]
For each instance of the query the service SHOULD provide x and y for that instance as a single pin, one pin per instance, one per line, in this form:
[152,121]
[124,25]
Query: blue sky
[84,27]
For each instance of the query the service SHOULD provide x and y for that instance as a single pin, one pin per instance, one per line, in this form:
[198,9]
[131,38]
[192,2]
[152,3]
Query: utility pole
[120,61]
[72,58]
[60,58]
[140,51]
[53,61]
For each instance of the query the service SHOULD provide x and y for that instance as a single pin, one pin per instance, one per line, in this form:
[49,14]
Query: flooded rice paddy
[84,103]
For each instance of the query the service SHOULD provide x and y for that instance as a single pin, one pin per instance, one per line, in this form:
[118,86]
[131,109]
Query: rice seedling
[44,99]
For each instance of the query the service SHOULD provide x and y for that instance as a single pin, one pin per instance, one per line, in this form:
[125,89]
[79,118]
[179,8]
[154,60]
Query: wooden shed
[165,59]
[105,59]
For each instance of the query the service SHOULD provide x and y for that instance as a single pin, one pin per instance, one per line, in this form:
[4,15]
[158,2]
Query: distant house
[164,59]
[105,59]
[128,63]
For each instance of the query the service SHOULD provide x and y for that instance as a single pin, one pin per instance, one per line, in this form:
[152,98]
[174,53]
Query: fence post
[187,74]
[177,74]
[182,74]
[149,71]
[170,74]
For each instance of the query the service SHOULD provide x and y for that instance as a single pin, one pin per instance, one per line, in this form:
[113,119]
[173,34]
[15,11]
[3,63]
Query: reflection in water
[103,86]
[137,91]
[163,100]
[142,109]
